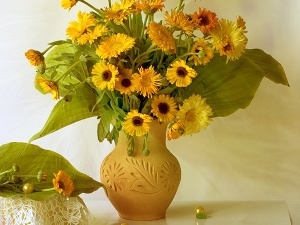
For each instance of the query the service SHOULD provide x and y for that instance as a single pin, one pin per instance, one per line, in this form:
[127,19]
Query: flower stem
[144,25]
[5,172]
[7,182]
[179,5]
[150,49]
[48,189]
[68,70]
[91,6]
[47,49]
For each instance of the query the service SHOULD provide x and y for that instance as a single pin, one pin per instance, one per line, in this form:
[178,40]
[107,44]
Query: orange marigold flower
[205,20]
[118,12]
[179,20]
[161,37]
[35,58]
[63,183]
[85,29]
[149,6]
[48,86]
[114,45]
[147,81]
[203,52]
[175,130]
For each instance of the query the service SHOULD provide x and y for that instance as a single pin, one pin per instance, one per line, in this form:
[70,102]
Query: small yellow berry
[199,209]
[27,188]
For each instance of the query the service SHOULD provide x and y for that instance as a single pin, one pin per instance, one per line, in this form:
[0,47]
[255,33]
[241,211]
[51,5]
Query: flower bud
[42,176]
[15,168]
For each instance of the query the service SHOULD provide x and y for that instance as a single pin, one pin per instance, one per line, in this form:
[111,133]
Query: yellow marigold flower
[149,6]
[147,81]
[115,45]
[179,20]
[48,86]
[92,34]
[229,39]
[195,113]
[161,37]
[205,20]
[203,53]
[35,58]
[68,4]
[164,108]
[175,130]
[136,124]
[180,73]
[119,11]
[125,83]
[85,29]
[63,183]
[104,75]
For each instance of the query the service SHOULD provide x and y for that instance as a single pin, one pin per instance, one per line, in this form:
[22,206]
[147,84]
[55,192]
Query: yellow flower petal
[115,45]
[137,124]
[161,37]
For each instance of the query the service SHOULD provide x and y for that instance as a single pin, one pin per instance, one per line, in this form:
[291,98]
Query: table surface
[218,212]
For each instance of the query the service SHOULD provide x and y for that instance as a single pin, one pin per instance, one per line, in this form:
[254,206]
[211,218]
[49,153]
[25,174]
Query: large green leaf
[31,159]
[272,69]
[230,86]
[70,109]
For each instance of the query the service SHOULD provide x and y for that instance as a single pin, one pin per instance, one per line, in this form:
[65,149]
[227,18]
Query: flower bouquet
[126,67]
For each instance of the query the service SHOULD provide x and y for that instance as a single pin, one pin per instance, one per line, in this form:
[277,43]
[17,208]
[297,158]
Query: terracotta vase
[142,187]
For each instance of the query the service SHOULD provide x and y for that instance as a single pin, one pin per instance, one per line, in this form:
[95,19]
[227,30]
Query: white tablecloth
[218,212]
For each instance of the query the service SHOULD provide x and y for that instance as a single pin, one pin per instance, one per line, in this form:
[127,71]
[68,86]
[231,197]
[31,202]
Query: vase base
[142,217]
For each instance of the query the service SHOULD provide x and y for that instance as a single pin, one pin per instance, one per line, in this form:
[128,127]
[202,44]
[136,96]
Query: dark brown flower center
[198,49]
[163,108]
[61,185]
[203,21]
[137,121]
[181,71]
[126,82]
[228,47]
[106,75]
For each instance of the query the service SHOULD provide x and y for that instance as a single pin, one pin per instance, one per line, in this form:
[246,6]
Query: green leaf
[104,124]
[65,112]
[272,69]
[227,87]
[137,24]
[31,159]
[230,86]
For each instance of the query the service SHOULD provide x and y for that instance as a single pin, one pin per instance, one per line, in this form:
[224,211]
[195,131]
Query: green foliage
[227,83]
[30,159]
[272,69]
[70,109]
[229,87]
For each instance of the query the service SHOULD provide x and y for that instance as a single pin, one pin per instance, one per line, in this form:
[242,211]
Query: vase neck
[156,138]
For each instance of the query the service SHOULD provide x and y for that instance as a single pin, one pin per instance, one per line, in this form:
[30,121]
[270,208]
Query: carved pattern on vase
[143,177]
[115,176]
